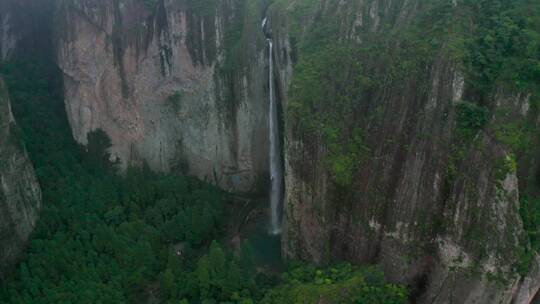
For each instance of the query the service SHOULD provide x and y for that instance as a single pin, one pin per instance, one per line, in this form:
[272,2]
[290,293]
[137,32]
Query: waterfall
[276,170]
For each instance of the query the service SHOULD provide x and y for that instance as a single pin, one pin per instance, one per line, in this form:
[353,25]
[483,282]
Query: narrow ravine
[276,169]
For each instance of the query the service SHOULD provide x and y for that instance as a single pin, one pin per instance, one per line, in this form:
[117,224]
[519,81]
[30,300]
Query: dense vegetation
[340,284]
[108,238]
[102,237]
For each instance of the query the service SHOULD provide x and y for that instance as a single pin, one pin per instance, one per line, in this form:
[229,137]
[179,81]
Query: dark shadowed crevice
[165,49]
[536,299]
[418,287]
[118,48]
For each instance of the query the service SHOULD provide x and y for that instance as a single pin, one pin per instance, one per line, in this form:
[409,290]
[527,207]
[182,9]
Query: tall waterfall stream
[276,168]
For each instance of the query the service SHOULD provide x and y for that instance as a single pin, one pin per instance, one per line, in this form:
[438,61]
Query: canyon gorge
[402,133]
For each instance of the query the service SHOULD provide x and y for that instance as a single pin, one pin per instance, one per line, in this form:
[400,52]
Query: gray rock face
[20,195]
[25,28]
[165,83]
[8,34]
[453,239]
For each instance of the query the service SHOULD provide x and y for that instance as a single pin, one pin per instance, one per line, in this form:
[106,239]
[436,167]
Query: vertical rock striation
[386,174]
[174,84]
[380,166]
[20,195]
[9,36]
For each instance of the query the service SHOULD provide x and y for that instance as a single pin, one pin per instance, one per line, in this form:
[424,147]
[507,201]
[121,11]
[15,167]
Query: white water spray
[276,171]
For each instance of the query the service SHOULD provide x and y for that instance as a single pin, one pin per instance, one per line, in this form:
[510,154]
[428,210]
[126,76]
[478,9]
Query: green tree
[97,148]
[167,283]
[204,278]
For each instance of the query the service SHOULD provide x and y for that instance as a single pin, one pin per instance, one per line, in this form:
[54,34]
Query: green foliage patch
[470,118]
[151,4]
[340,284]
[175,101]
[503,46]
[323,96]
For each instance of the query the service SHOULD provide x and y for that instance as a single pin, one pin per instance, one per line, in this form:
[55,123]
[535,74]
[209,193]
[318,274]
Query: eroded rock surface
[438,214]
[175,84]
[20,194]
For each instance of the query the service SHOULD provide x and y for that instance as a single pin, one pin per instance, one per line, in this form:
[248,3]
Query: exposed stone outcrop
[453,237]
[8,35]
[175,84]
[20,195]
[527,290]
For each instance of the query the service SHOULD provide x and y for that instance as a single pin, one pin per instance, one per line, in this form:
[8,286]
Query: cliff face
[175,84]
[396,151]
[9,36]
[20,195]
[383,164]
[24,28]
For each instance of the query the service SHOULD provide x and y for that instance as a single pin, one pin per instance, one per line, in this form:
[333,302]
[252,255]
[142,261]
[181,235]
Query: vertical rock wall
[20,195]
[175,84]
[9,36]
[25,29]
[450,229]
